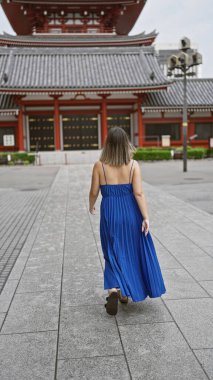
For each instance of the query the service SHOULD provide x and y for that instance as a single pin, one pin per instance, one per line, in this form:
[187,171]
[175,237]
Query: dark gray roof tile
[199,93]
[7,102]
[77,68]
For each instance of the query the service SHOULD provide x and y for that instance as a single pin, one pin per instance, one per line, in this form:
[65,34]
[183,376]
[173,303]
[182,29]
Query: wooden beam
[104,119]
[140,123]
[57,124]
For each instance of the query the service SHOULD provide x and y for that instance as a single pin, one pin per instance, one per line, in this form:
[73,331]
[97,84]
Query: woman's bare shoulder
[97,165]
[136,164]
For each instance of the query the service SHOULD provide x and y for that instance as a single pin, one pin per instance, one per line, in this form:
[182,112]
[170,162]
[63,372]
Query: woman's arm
[94,189]
[140,196]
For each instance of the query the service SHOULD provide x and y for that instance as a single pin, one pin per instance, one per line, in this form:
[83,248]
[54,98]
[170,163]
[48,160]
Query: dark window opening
[155,131]
[203,131]
[120,120]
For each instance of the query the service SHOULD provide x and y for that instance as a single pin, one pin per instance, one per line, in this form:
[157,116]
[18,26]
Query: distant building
[163,56]
[72,72]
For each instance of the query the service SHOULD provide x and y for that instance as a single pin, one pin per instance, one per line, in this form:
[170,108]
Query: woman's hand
[145,226]
[92,211]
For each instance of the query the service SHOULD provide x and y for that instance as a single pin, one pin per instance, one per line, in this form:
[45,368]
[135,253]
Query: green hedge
[195,153]
[19,157]
[210,152]
[156,153]
[152,154]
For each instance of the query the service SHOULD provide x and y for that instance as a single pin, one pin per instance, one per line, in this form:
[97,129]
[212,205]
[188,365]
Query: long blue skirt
[131,263]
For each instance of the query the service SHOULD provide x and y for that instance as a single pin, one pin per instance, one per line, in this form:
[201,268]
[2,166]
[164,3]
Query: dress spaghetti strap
[131,171]
[104,172]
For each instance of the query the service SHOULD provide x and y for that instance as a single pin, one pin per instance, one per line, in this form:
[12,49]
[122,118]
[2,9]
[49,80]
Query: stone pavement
[54,324]
[20,202]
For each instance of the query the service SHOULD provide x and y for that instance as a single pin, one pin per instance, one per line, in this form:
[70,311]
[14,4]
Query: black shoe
[112,303]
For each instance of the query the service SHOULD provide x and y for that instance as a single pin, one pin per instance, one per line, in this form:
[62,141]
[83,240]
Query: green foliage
[19,158]
[197,153]
[152,154]
[156,153]
[210,152]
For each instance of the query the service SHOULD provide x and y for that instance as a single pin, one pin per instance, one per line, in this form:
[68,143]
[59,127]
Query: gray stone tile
[166,260]
[28,356]
[18,268]
[80,248]
[158,351]
[198,235]
[208,286]
[147,311]
[105,368]
[205,357]
[46,264]
[200,267]
[2,317]
[208,249]
[179,284]
[88,331]
[7,295]
[39,282]
[83,264]
[49,250]
[32,312]
[83,289]
[194,317]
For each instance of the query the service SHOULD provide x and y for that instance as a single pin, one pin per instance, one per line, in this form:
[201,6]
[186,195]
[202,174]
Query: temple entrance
[120,120]
[80,132]
[41,133]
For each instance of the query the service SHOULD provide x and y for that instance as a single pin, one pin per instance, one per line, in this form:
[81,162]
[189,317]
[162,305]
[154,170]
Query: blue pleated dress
[131,263]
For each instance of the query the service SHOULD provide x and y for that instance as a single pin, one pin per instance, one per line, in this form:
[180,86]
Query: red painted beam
[84,102]
[104,119]
[57,124]
[21,129]
[140,123]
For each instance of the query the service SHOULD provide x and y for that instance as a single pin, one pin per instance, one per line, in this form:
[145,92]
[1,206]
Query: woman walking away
[131,264]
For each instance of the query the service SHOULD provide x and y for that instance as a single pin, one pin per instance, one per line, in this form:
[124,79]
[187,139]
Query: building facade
[72,72]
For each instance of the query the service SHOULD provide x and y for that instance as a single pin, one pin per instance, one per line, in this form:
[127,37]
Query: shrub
[19,158]
[210,152]
[152,154]
[197,153]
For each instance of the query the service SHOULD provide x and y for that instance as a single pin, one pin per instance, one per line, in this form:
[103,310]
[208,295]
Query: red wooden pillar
[20,136]
[57,124]
[140,124]
[103,119]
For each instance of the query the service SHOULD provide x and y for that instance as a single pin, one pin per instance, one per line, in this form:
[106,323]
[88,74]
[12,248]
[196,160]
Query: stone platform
[52,316]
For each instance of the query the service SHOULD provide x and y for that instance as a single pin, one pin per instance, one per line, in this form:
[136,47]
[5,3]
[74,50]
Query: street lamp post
[185,122]
[185,59]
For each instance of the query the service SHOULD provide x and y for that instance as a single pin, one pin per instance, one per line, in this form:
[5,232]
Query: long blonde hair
[117,149]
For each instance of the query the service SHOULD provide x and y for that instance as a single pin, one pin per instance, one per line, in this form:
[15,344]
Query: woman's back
[116,175]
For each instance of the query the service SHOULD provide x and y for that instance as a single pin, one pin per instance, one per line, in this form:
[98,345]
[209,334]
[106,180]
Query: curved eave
[107,90]
[16,18]
[26,43]
[126,21]
[23,26]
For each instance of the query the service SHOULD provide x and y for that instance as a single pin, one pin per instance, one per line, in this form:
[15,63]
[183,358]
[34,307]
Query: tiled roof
[7,105]
[77,40]
[7,102]
[199,93]
[80,69]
